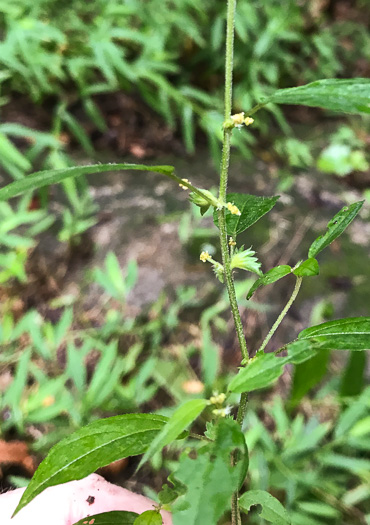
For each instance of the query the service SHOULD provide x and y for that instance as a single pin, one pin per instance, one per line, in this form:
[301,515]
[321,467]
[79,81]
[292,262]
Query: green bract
[203,201]
[244,260]
[210,479]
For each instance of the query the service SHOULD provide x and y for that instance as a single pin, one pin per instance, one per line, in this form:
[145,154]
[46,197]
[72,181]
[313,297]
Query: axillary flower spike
[232,242]
[217,267]
[234,210]
[217,399]
[205,256]
[238,119]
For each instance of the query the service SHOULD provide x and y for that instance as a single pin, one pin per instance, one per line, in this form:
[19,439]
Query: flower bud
[182,186]
[203,202]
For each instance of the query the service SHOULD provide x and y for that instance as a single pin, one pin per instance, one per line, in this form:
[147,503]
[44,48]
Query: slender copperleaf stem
[231,6]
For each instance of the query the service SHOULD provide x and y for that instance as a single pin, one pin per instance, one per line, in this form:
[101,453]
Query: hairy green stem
[282,315]
[235,511]
[231,5]
[230,285]
[229,56]
[242,408]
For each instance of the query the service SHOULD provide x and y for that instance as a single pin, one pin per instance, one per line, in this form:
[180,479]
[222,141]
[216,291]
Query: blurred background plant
[74,357]
[169,54]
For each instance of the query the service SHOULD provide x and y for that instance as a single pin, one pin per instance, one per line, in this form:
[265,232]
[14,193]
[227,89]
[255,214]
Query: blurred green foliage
[170,53]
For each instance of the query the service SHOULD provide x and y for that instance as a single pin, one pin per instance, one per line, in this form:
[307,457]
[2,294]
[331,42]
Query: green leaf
[319,509]
[300,351]
[307,268]
[167,495]
[341,160]
[335,228]
[11,154]
[251,208]
[115,517]
[93,447]
[352,333]
[345,95]
[353,378]
[308,374]
[272,509]
[179,421]
[210,479]
[45,178]
[270,277]
[149,517]
[260,372]
[358,466]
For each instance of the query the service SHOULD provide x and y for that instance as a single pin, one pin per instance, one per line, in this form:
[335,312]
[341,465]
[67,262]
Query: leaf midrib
[93,450]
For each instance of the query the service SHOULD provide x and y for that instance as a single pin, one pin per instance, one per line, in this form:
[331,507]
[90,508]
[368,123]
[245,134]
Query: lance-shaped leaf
[180,420]
[270,277]
[47,177]
[272,509]
[344,95]
[335,228]
[115,517]
[352,333]
[251,208]
[300,351]
[260,372]
[93,447]
[307,268]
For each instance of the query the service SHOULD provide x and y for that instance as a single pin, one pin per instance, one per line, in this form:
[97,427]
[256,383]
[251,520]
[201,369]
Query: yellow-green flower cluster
[217,399]
[237,121]
[234,210]
[205,256]
[232,242]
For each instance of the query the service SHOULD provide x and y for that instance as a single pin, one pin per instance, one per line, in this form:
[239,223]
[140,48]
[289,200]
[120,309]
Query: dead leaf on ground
[16,453]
